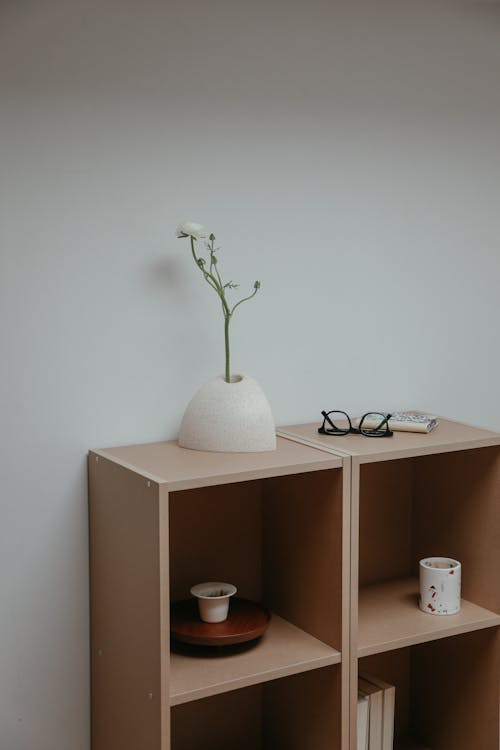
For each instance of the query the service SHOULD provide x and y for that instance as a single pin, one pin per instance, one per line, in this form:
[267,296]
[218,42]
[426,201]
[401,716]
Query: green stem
[245,299]
[214,279]
[227,318]
[209,278]
[219,277]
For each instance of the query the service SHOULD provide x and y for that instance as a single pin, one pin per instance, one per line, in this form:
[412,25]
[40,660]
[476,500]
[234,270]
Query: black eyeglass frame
[377,431]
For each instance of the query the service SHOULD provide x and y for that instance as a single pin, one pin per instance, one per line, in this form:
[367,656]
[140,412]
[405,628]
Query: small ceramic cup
[440,579]
[213,600]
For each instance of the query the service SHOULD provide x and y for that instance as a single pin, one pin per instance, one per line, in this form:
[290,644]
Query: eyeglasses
[371,424]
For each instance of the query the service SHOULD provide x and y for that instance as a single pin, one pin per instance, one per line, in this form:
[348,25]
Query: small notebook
[406,421]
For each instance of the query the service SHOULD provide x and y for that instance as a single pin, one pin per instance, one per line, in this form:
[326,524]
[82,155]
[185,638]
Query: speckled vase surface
[229,417]
[440,579]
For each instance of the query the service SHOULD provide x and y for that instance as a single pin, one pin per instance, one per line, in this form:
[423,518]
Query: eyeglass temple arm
[327,419]
[385,420]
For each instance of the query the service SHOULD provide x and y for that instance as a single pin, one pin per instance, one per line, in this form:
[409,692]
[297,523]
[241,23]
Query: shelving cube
[414,496]
[277,525]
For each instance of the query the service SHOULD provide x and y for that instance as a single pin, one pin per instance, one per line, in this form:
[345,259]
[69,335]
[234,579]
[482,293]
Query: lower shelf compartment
[446,691]
[283,650]
[291,713]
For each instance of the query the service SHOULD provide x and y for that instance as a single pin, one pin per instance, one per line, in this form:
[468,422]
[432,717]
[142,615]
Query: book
[408,421]
[363,718]
[405,421]
[375,697]
[389,702]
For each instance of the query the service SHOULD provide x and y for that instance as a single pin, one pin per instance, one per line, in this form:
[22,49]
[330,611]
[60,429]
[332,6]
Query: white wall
[345,153]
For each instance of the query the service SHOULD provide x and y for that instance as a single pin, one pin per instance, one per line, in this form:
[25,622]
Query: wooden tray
[246,621]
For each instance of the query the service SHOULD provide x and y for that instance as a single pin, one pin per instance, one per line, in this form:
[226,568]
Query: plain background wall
[344,153]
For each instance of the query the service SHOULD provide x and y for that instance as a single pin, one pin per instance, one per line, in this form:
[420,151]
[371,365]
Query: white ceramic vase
[440,579]
[228,417]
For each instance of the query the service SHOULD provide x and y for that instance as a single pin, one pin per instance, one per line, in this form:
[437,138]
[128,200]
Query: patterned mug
[440,579]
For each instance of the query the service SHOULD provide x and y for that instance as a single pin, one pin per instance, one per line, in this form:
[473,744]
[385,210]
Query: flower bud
[256,285]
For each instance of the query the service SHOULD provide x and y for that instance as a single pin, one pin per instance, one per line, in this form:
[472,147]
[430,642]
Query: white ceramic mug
[213,600]
[440,579]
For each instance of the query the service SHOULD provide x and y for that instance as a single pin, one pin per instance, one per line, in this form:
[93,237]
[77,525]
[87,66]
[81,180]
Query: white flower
[190,229]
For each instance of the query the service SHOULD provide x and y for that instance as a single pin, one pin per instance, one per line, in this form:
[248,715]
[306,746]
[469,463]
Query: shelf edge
[255,679]
[406,641]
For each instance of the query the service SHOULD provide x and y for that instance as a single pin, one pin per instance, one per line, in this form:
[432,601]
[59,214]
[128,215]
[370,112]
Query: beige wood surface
[283,650]
[447,504]
[346,667]
[216,535]
[164,560]
[306,540]
[303,712]
[125,609]
[385,521]
[232,721]
[303,552]
[447,436]
[297,712]
[454,692]
[280,540]
[446,691]
[389,618]
[182,468]
[456,513]
[353,602]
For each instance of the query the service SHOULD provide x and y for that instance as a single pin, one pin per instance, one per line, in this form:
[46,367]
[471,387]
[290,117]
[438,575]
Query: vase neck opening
[233,378]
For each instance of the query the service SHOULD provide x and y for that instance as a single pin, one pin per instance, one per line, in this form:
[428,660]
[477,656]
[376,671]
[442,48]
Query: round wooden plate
[246,621]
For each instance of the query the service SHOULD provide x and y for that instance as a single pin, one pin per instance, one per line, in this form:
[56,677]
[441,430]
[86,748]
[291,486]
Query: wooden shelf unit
[414,496]
[277,526]
[326,532]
